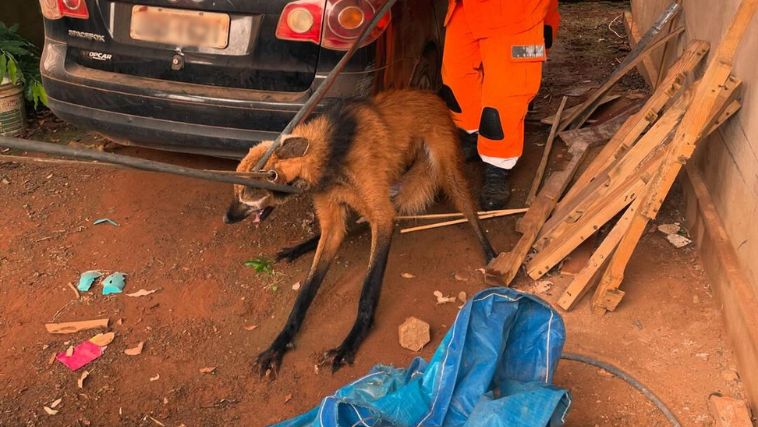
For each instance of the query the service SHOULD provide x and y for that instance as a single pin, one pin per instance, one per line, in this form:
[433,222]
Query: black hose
[629,379]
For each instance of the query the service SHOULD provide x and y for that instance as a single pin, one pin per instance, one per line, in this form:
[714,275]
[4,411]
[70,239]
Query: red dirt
[667,332]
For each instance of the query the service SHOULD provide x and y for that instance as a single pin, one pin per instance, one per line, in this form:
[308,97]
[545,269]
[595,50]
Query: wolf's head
[286,161]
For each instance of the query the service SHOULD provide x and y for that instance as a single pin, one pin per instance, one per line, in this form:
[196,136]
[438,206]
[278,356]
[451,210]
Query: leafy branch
[19,63]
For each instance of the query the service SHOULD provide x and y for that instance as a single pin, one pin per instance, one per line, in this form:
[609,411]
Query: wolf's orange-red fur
[353,159]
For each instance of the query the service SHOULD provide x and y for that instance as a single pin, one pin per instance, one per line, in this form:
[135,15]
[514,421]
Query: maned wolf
[351,158]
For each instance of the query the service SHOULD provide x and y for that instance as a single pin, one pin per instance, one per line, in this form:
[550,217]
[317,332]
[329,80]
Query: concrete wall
[728,162]
[25,13]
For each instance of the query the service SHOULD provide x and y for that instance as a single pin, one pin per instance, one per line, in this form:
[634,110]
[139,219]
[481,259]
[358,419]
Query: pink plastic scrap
[84,353]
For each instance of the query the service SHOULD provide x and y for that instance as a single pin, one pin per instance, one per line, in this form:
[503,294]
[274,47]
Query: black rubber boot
[468,144]
[496,190]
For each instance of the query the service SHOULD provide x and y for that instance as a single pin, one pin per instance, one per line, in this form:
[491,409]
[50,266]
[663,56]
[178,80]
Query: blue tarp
[493,368]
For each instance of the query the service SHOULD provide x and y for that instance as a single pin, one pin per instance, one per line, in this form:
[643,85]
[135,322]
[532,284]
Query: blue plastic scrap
[87,279]
[114,283]
[493,368]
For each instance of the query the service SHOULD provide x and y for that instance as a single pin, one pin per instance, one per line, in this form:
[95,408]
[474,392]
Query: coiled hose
[629,379]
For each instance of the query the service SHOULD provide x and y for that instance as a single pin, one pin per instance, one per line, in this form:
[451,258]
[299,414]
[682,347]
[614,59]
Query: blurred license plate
[180,27]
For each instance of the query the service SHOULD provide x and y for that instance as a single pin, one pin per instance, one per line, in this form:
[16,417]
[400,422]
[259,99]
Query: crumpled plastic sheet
[493,368]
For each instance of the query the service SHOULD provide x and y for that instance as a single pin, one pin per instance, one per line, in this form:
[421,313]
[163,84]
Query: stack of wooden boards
[624,186]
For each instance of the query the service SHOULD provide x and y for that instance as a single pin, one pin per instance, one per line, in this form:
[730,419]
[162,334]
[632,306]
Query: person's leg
[462,79]
[512,75]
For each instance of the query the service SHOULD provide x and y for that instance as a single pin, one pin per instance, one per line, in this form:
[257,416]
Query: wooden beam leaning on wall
[597,194]
[693,128]
[734,292]
[632,129]
[587,277]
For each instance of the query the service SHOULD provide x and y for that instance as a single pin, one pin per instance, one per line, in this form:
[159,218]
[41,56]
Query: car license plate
[180,27]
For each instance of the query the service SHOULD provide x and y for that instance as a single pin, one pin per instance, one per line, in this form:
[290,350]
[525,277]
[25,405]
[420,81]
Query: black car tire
[426,74]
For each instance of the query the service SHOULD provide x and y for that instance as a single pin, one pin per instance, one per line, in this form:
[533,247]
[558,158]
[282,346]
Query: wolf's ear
[292,147]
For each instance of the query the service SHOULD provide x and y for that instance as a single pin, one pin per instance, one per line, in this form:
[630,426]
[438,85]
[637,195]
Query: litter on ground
[114,284]
[83,353]
[73,327]
[87,279]
[135,351]
[142,293]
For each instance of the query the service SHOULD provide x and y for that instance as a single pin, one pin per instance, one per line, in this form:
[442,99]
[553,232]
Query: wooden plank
[546,154]
[504,268]
[645,46]
[614,274]
[73,327]
[595,190]
[599,134]
[693,127]
[568,110]
[633,128]
[728,112]
[662,60]
[646,69]
[584,280]
[736,295]
[592,196]
[729,412]
[586,226]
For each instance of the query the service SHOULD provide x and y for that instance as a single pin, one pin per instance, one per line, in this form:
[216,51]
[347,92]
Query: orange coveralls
[492,68]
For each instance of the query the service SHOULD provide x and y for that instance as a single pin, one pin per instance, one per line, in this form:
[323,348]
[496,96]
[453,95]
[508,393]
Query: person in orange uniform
[491,70]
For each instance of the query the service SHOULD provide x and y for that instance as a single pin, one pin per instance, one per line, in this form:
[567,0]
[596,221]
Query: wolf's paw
[268,362]
[338,357]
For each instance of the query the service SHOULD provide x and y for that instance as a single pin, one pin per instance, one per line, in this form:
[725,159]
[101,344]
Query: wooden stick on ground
[450,215]
[693,127]
[546,154]
[462,220]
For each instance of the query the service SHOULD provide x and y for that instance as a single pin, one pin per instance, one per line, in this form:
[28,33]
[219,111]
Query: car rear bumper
[175,116]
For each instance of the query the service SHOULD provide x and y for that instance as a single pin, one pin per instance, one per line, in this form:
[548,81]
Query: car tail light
[74,8]
[343,22]
[57,9]
[50,9]
[301,21]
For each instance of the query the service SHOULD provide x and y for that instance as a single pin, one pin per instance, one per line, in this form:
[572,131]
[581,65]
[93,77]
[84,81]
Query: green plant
[260,265]
[19,62]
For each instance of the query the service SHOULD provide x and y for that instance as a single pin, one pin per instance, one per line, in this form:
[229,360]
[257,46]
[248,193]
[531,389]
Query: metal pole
[321,91]
[136,163]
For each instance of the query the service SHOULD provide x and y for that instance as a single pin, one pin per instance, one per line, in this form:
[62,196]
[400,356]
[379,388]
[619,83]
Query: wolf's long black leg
[332,222]
[292,253]
[380,246]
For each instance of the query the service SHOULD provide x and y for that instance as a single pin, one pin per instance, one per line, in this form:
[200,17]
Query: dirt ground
[210,310]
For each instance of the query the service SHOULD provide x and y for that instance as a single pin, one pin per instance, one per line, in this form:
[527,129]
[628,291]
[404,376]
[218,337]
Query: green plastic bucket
[12,110]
